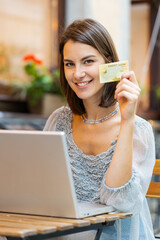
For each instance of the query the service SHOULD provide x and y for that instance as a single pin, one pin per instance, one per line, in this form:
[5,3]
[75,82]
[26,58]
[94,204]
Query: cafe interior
[29,39]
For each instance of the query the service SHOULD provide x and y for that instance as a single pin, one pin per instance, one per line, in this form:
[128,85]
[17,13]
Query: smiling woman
[85,61]
[81,71]
[109,146]
[100,44]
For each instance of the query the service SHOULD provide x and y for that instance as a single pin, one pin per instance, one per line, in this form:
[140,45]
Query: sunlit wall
[114,15]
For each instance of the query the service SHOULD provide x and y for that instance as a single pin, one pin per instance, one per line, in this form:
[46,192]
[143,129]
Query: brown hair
[90,32]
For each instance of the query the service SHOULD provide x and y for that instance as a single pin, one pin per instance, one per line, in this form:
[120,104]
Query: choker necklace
[100,120]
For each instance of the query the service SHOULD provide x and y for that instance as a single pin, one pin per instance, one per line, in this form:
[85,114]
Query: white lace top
[89,174]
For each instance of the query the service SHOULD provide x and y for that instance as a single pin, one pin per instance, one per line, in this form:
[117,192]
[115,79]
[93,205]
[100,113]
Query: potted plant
[43,84]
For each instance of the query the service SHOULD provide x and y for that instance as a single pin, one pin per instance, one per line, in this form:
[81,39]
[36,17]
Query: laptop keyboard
[88,206]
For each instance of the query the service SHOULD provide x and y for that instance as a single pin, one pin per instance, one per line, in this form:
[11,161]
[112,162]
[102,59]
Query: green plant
[41,80]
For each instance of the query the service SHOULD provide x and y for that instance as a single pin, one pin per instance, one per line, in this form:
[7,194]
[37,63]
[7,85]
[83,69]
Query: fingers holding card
[127,90]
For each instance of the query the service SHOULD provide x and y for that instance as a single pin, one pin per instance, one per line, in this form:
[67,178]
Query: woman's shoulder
[64,112]
[60,115]
[143,128]
[142,123]
[61,112]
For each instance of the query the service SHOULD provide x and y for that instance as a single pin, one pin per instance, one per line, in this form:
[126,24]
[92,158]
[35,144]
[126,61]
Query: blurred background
[32,28]
[29,74]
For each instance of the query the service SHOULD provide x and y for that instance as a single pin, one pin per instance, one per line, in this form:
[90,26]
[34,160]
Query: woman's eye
[69,64]
[88,61]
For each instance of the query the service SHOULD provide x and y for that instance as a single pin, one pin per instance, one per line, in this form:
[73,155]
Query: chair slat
[154,187]
[27,219]
[20,225]
[122,215]
[17,232]
[156,170]
[154,190]
[96,219]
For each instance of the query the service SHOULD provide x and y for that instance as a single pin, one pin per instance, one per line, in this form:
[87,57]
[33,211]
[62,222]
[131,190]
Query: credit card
[112,72]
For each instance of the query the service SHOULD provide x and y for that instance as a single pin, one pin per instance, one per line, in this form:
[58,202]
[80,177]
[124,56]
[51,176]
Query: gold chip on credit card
[112,72]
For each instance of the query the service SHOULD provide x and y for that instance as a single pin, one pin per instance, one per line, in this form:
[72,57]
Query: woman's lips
[82,84]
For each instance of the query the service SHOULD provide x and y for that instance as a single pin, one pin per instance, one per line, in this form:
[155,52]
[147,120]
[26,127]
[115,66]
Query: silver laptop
[36,178]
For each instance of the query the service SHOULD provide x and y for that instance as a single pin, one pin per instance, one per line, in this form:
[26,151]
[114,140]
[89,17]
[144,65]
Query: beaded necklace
[100,120]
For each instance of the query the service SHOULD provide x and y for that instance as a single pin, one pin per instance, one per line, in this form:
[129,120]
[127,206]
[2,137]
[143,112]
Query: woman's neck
[94,112]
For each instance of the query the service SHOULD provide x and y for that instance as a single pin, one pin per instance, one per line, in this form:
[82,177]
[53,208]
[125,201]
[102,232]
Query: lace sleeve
[130,196]
[52,120]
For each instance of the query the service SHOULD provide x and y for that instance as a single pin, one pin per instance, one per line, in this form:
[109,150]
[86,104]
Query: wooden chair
[154,188]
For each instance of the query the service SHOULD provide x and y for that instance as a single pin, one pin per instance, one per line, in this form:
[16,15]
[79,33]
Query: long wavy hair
[91,32]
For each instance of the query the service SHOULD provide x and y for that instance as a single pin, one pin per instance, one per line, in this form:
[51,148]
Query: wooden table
[18,226]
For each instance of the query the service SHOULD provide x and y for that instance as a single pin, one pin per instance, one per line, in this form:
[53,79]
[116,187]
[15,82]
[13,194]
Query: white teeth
[82,84]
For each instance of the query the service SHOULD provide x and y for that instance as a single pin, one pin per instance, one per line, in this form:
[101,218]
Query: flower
[41,79]
[31,57]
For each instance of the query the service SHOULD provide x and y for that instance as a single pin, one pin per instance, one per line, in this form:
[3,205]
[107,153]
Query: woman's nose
[79,72]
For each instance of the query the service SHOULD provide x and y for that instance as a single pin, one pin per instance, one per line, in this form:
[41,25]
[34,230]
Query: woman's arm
[130,196]
[120,169]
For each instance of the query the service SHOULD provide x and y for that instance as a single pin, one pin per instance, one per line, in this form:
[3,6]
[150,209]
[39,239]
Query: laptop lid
[36,176]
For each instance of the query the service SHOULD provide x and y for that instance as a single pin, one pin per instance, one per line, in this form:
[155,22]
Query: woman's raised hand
[127,93]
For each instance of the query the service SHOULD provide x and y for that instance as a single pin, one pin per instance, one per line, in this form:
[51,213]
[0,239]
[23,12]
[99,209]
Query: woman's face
[81,67]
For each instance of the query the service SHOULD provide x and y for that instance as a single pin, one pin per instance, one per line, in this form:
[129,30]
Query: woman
[111,149]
